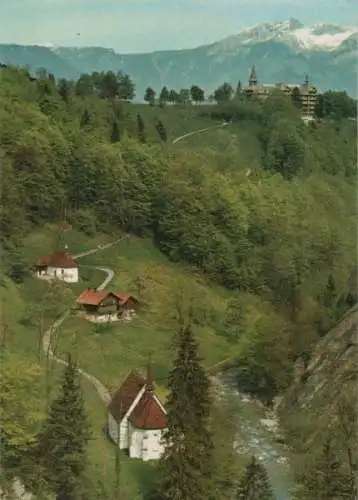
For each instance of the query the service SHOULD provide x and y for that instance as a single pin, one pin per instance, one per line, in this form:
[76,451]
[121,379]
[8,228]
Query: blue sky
[141,26]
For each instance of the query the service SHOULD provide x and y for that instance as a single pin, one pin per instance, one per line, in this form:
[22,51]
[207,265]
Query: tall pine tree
[149,96]
[186,463]
[62,441]
[85,118]
[326,478]
[140,128]
[161,131]
[115,134]
[254,485]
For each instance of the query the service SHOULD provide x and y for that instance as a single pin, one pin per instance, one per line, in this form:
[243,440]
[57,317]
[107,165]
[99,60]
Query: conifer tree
[173,96]
[163,96]
[115,135]
[149,96]
[238,90]
[325,479]
[62,441]
[85,119]
[64,89]
[186,463]
[254,485]
[161,131]
[140,128]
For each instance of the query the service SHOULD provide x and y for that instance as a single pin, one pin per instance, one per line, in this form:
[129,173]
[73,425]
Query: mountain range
[282,52]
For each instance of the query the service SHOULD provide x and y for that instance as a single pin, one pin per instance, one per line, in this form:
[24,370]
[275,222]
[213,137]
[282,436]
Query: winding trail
[199,131]
[18,489]
[47,340]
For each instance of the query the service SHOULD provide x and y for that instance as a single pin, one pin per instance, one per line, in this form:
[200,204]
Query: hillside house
[102,305]
[137,418]
[60,265]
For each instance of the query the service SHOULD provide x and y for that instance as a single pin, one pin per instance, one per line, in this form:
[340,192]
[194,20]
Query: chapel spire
[253,76]
[149,381]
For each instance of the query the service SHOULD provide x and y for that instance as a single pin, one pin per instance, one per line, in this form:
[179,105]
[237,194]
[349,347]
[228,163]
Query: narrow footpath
[102,391]
[199,131]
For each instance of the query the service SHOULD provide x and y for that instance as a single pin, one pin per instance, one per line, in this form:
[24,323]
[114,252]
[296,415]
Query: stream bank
[258,434]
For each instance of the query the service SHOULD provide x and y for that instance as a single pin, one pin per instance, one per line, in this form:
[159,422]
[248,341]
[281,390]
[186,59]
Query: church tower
[253,77]
[149,382]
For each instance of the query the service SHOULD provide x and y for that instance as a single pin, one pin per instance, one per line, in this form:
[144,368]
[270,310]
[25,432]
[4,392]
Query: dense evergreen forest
[279,234]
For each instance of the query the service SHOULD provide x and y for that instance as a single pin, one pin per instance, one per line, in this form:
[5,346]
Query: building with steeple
[305,92]
[61,265]
[136,417]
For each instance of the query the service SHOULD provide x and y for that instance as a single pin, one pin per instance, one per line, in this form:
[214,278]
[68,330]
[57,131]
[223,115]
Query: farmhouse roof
[123,298]
[126,394]
[94,297]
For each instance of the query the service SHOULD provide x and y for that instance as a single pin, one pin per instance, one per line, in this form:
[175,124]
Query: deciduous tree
[184,96]
[223,93]
[197,93]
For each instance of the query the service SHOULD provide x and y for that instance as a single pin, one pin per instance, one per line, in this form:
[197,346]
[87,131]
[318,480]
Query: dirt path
[102,391]
[199,131]
[18,490]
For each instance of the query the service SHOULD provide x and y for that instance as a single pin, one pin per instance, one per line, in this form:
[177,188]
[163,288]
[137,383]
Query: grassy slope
[176,119]
[111,353]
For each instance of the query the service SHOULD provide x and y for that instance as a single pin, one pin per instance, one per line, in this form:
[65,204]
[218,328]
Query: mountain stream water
[257,434]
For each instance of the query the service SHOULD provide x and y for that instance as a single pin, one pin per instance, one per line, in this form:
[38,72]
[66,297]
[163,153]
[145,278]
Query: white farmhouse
[137,418]
[59,265]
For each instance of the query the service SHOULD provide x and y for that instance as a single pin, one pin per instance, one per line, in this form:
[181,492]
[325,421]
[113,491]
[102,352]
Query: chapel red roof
[148,414]
[62,259]
[126,394]
[42,261]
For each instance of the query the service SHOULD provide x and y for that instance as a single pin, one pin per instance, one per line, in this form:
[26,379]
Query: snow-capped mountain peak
[321,36]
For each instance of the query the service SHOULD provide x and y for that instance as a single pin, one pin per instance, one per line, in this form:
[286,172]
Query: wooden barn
[103,305]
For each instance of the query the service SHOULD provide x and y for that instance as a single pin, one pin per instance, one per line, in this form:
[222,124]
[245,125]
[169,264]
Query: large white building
[60,265]
[137,418]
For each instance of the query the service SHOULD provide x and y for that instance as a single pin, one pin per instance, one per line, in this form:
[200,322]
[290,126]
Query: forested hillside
[264,207]
[275,235]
